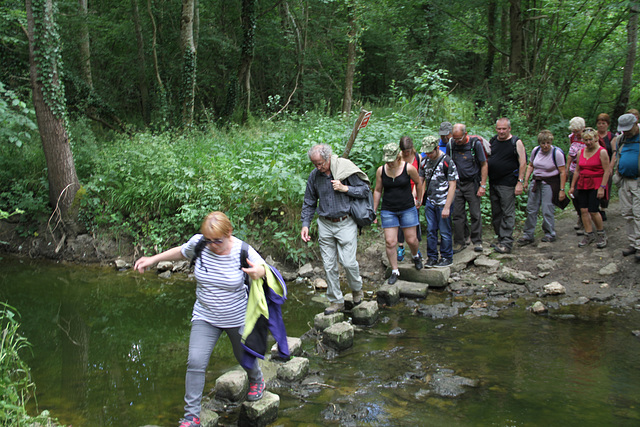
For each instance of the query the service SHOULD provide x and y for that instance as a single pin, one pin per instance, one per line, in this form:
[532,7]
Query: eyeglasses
[460,138]
[320,165]
[214,241]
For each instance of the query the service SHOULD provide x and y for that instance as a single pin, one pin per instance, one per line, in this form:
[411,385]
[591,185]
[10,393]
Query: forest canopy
[154,89]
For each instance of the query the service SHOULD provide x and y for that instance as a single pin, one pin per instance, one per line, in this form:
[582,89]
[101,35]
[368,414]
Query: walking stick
[361,122]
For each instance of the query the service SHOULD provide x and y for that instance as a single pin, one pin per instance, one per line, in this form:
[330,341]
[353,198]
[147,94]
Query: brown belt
[335,219]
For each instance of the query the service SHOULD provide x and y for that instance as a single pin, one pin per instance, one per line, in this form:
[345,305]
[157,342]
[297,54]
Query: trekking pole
[361,122]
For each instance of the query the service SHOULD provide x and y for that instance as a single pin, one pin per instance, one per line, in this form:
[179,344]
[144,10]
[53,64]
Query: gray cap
[626,122]
[445,128]
[429,144]
[391,151]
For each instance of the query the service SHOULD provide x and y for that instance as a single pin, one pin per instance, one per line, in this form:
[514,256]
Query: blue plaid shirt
[321,197]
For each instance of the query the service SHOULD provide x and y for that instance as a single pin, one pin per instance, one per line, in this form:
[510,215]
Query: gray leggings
[201,342]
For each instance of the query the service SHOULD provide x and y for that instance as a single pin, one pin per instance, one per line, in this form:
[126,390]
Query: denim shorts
[403,219]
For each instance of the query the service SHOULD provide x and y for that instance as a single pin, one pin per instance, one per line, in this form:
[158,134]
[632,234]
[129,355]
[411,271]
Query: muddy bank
[599,275]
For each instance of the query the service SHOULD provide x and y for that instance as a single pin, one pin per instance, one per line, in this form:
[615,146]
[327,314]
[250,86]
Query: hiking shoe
[588,239]
[478,247]
[431,263]
[400,253]
[629,251]
[502,249]
[578,226]
[256,390]
[444,262]
[417,261]
[601,239]
[523,241]
[393,278]
[333,308]
[189,423]
[548,239]
[357,297]
[458,248]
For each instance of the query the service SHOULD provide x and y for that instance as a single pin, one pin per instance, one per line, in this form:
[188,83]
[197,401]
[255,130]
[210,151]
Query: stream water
[109,349]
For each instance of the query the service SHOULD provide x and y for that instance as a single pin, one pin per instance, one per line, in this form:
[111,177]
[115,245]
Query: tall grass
[16,387]
[157,187]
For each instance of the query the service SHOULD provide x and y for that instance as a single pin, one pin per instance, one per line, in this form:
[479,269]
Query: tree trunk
[632,44]
[491,31]
[517,39]
[84,44]
[248,47]
[49,102]
[162,94]
[188,88]
[142,79]
[347,100]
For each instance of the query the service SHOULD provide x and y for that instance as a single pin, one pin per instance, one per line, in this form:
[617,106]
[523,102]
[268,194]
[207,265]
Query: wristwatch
[521,181]
[483,186]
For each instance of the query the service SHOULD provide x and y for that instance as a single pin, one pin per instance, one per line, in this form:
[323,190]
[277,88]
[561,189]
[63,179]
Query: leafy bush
[16,386]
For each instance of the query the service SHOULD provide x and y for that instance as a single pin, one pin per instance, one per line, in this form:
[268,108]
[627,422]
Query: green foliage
[16,387]
[17,124]
[46,41]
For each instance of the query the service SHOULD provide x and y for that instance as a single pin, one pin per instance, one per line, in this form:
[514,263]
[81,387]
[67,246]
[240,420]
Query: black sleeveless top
[397,192]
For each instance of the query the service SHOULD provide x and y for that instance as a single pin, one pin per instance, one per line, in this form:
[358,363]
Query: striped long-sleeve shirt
[221,295]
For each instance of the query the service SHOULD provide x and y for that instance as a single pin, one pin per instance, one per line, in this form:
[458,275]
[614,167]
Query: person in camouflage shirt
[438,175]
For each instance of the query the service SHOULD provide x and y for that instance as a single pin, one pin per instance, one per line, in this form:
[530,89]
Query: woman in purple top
[547,172]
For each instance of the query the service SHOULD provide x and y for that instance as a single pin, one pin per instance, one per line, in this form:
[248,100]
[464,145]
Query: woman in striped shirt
[221,302]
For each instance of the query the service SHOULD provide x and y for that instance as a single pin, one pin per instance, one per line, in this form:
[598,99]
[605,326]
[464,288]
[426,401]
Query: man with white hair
[627,149]
[329,190]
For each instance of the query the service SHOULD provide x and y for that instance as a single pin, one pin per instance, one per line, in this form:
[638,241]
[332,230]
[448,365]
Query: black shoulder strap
[197,251]
[244,254]
[534,153]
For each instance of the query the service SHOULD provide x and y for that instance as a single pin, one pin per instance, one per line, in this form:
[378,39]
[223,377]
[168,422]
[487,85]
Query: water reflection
[110,349]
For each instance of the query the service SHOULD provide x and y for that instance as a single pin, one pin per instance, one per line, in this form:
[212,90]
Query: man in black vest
[507,165]
[470,159]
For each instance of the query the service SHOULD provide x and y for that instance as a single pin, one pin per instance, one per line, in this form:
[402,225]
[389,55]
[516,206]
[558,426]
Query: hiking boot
[601,241]
[190,423]
[588,239]
[523,241]
[603,214]
[629,251]
[334,308]
[417,262]
[256,390]
[357,297]
[458,247]
[431,263]
[444,262]
[578,226]
[393,278]
[400,253]
[548,239]
[502,249]
[478,247]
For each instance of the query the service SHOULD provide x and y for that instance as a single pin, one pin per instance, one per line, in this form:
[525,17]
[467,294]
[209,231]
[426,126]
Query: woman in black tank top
[398,208]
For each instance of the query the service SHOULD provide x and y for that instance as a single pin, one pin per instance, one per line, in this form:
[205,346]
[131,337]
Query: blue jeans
[435,223]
